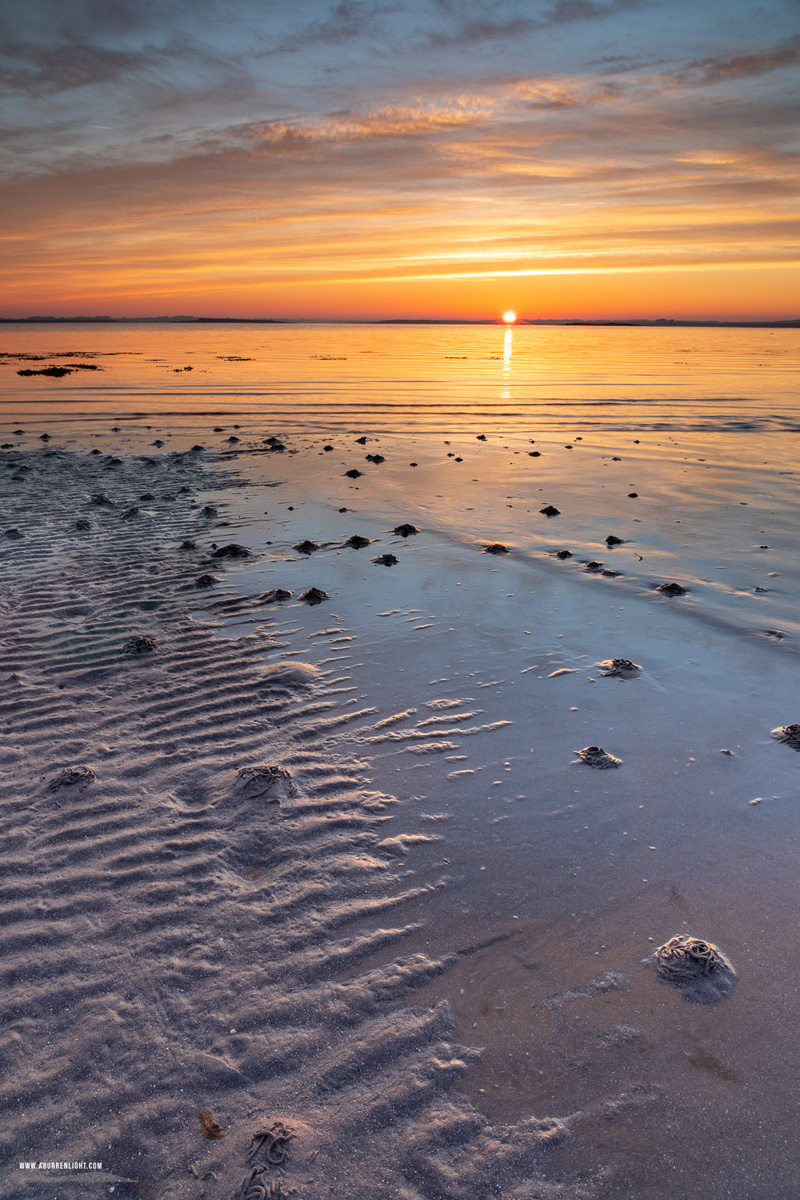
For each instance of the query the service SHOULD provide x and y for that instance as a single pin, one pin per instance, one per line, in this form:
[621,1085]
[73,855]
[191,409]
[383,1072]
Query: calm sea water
[411,378]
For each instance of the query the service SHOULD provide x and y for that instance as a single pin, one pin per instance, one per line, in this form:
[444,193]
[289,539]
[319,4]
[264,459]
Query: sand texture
[203,904]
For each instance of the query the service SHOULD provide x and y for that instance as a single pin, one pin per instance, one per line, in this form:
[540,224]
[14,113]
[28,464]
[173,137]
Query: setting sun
[509,317]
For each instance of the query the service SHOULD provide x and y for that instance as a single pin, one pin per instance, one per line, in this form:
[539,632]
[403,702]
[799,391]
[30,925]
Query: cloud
[484,29]
[734,67]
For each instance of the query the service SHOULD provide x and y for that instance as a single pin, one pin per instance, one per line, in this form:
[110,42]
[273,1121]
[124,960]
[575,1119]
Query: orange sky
[632,158]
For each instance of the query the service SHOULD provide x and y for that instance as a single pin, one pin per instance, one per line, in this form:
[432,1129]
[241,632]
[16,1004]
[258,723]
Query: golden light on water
[509,316]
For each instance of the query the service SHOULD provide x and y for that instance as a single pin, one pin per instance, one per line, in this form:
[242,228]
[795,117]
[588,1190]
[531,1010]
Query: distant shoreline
[661,322]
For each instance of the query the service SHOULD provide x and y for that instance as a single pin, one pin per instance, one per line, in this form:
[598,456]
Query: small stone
[277,596]
[386,560]
[596,756]
[405,531]
[314,596]
[353,473]
[205,581]
[672,589]
[622,668]
[356,542]
[14,535]
[140,644]
[789,734]
[550,510]
[306,547]
[375,458]
[613,540]
[233,550]
[495,548]
[563,554]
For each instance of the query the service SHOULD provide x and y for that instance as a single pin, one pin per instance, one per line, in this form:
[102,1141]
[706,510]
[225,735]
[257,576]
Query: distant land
[791,323]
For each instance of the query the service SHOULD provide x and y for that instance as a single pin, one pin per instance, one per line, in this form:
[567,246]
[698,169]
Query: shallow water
[553,873]
[441,379]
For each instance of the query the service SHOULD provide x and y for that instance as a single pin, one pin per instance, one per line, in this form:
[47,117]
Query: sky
[400,158]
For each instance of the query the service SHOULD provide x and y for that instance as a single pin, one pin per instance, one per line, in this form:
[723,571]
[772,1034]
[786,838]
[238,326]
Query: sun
[509,317]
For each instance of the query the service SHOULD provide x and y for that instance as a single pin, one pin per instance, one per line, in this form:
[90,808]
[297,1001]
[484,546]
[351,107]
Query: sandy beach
[298,839]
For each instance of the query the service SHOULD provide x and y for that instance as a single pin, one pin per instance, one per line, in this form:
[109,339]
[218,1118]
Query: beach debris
[672,589]
[209,511]
[72,777]
[375,458]
[204,581]
[405,531]
[101,501]
[563,671]
[550,510]
[306,547]
[265,782]
[140,644]
[730,752]
[233,550]
[596,756]
[353,473]
[386,560]
[357,542]
[563,554]
[698,968]
[82,524]
[14,535]
[210,1125]
[622,668]
[790,734]
[758,800]
[495,548]
[613,540]
[314,595]
[56,372]
[276,596]
[270,1146]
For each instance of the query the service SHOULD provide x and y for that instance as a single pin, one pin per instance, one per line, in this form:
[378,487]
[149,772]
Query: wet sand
[424,943]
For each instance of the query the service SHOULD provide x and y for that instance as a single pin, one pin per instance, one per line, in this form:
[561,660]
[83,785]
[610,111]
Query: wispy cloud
[734,67]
